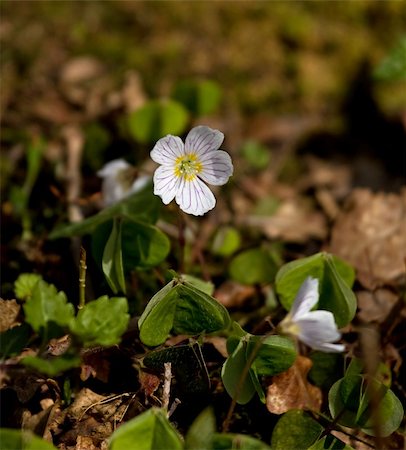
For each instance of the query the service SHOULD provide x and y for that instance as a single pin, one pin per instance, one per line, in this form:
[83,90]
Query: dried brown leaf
[375,306]
[95,365]
[291,390]
[233,295]
[149,382]
[294,221]
[370,234]
[81,69]
[9,310]
[85,443]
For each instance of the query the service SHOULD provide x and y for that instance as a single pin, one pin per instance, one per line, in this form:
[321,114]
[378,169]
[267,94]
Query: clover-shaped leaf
[335,281]
[182,308]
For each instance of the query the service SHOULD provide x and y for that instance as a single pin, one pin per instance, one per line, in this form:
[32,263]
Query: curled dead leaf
[291,390]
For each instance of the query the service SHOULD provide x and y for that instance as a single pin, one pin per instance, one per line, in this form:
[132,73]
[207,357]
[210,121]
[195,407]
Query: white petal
[329,348]
[140,183]
[317,328]
[217,167]
[167,149]
[166,183]
[203,139]
[112,168]
[194,197]
[112,191]
[306,298]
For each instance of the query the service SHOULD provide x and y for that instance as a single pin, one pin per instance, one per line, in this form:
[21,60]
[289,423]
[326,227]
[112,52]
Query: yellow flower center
[188,166]
[287,326]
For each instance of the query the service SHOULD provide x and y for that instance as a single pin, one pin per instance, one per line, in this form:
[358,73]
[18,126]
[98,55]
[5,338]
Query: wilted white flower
[317,329]
[119,181]
[185,167]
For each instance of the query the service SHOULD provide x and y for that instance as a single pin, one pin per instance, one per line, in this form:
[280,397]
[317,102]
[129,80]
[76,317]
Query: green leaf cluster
[335,281]
[253,266]
[263,356]
[123,237]
[156,119]
[181,307]
[48,312]
[152,430]
[357,401]
[121,245]
[200,97]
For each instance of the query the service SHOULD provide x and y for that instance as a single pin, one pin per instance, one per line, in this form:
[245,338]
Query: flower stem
[182,242]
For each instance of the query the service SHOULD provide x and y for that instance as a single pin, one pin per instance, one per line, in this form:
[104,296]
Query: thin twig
[167,385]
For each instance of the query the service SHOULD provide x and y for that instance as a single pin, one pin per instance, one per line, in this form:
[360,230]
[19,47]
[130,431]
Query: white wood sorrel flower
[317,329]
[186,166]
[119,181]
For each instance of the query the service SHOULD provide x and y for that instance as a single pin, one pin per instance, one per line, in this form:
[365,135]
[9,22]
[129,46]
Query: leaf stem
[241,380]
[82,278]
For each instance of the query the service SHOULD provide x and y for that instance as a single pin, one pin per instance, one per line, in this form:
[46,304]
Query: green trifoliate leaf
[275,355]
[266,357]
[182,308]
[197,312]
[227,240]
[24,285]
[11,439]
[369,405]
[150,430]
[205,286]
[156,119]
[201,97]
[141,245]
[335,281]
[253,266]
[47,305]
[102,321]
[295,429]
